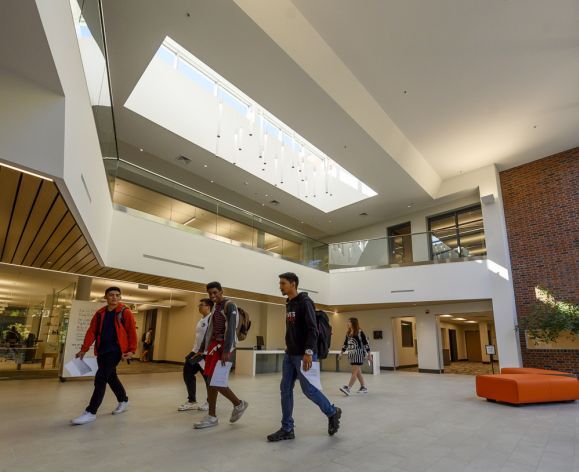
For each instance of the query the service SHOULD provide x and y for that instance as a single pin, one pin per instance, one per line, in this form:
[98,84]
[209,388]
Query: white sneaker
[121,408]
[238,411]
[204,407]
[188,406]
[207,422]
[85,418]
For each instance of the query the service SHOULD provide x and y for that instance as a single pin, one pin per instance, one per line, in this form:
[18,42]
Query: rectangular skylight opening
[206,109]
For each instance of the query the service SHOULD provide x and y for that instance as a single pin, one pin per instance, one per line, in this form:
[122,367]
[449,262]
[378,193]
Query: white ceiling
[478,77]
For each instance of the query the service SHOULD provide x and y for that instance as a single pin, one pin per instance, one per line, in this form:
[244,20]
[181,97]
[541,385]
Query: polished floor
[408,422]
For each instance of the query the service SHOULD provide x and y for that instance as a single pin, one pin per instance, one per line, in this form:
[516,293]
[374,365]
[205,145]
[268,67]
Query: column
[429,348]
[484,340]
[499,267]
[83,288]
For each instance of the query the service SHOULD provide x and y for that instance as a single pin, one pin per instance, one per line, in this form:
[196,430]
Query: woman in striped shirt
[358,349]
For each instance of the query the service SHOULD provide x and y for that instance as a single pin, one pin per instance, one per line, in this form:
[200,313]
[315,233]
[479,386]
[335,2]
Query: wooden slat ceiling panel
[9,184]
[69,253]
[46,198]
[58,238]
[27,193]
[54,218]
[87,265]
[73,236]
[76,258]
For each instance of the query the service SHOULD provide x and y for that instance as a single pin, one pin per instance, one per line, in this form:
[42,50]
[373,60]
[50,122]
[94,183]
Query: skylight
[182,94]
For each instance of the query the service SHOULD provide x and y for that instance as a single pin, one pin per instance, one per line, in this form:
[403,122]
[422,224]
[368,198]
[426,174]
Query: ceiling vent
[143,287]
[184,160]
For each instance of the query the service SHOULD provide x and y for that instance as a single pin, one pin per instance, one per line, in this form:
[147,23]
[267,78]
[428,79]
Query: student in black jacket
[301,341]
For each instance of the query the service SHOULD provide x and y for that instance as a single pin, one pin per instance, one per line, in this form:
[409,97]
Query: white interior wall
[232,266]
[82,154]
[178,327]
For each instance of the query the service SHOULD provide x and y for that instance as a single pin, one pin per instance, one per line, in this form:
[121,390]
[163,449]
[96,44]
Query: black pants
[189,372]
[106,374]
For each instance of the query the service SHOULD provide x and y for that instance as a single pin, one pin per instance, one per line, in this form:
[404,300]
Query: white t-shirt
[200,332]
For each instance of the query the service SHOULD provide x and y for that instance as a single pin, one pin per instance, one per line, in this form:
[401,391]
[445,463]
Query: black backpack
[324,334]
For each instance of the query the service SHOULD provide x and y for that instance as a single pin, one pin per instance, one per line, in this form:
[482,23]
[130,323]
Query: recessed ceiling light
[410,205]
[446,316]
[205,165]
[141,149]
[329,221]
[459,319]
[246,183]
[470,321]
[266,195]
[211,181]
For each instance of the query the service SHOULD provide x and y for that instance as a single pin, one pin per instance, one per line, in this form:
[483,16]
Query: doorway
[453,345]
[473,349]
[150,322]
[400,244]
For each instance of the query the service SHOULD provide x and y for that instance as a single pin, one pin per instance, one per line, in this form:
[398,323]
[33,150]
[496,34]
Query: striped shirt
[357,347]
[218,323]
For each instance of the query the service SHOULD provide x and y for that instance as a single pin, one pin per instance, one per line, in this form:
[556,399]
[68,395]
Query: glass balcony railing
[410,249]
[152,194]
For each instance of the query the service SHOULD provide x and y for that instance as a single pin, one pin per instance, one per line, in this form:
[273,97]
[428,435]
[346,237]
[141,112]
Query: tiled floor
[408,422]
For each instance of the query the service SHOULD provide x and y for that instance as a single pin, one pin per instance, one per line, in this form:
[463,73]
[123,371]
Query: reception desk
[251,362]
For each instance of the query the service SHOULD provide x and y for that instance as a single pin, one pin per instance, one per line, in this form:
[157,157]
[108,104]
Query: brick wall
[540,200]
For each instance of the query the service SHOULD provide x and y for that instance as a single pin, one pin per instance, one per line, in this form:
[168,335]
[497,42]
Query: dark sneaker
[334,422]
[346,390]
[281,435]
[363,390]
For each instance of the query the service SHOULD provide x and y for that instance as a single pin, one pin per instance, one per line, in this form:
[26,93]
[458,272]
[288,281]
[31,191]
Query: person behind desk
[113,331]
[13,336]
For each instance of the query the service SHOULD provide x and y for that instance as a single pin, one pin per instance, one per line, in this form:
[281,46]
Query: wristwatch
[309,352]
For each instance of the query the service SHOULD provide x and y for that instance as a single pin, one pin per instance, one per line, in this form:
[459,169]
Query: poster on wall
[81,313]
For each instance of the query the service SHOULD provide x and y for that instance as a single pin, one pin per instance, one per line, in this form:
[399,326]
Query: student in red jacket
[113,331]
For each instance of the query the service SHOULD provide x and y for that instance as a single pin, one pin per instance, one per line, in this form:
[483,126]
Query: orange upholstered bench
[530,370]
[527,388]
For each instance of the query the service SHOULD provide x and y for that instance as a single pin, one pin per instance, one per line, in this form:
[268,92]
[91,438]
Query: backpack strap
[120,316]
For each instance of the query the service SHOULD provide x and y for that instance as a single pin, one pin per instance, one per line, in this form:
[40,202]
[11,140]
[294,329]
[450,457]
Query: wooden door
[473,350]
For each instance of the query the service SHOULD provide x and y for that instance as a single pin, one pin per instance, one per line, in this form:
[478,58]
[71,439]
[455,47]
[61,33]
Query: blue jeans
[290,373]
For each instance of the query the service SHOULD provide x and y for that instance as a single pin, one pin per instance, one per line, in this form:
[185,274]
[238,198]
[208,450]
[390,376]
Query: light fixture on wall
[192,219]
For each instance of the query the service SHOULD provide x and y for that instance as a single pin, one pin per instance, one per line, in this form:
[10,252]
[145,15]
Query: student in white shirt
[190,370]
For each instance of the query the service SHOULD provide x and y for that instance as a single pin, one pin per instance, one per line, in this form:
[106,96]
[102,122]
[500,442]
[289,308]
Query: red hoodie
[126,331]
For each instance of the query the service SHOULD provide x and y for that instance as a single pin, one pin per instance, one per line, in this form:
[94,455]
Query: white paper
[220,376]
[202,364]
[82,367]
[313,375]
